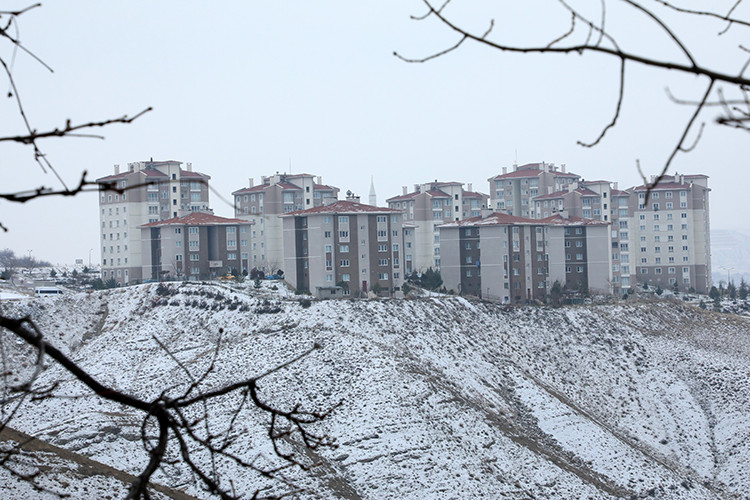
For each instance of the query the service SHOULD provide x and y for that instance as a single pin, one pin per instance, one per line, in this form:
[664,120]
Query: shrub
[305,303]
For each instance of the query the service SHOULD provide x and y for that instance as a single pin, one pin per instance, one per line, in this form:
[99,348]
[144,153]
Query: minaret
[373,196]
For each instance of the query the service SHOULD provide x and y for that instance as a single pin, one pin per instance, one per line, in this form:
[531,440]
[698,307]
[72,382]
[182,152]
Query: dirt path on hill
[86,466]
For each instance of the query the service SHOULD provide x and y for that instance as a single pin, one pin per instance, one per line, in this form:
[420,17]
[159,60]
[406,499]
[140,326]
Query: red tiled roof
[435,193]
[343,207]
[517,174]
[196,219]
[617,192]
[473,194]
[323,187]
[555,195]
[402,197]
[664,185]
[254,189]
[261,187]
[559,220]
[493,219]
[151,172]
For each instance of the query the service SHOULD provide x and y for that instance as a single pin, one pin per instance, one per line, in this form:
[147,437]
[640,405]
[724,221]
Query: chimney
[469,187]
[653,178]
[614,186]
[117,169]
[328,200]
[319,180]
[485,212]
[250,182]
[403,190]
[189,167]
[564,214]
[505,170]
[416,188]
[562,168]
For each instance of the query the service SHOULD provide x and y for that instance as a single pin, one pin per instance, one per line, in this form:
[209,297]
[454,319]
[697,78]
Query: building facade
[516,259]
[344,244]
[148,191]
[514,192]
[264,205]
[672,227]
[665,242]
[197,246]
[425,209]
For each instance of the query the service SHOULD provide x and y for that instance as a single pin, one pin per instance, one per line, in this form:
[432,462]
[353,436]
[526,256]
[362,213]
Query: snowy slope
[442,398]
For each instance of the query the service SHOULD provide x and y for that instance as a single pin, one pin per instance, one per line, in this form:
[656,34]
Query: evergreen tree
[743,289]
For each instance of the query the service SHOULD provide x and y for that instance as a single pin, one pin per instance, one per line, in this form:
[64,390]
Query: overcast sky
[244,89]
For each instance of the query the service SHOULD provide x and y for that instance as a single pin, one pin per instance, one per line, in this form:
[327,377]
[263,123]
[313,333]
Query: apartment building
[148,191]
[344,244]
[428,206]
[264,205]
[649,244]
[197,246]
[513,192]
[516,259]
[672,227]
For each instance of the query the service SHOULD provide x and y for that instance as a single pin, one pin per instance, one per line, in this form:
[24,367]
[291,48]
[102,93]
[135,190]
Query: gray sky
[243,89]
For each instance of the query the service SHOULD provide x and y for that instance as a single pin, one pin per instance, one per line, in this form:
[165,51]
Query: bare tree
[180,416]
[591,34]
[32,137]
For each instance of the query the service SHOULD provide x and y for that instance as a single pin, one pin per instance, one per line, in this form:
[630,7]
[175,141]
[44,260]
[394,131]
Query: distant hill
[442,397]
[730,251]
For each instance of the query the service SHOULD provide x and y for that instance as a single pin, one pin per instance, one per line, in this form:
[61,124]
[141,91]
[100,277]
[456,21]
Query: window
[382,218]
[344,262]
[194,256]
[342,248]
[579,269]
[343,219]
[327,234]
[232,256]
[346,277]
[343,234]
[382,276]
[579,256]
[193,244]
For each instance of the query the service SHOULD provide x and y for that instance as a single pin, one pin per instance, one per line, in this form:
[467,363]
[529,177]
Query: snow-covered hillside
[442,397]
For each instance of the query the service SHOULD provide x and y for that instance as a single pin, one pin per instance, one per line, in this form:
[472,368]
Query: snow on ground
[441,397]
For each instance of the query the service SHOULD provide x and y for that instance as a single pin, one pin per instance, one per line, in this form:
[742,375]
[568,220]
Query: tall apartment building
[197,246]
[513,192]
[649,244]
[672,227]
[153,191]
[599,200]
[264,205]
[517,259]
[358,247]
[426,208]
